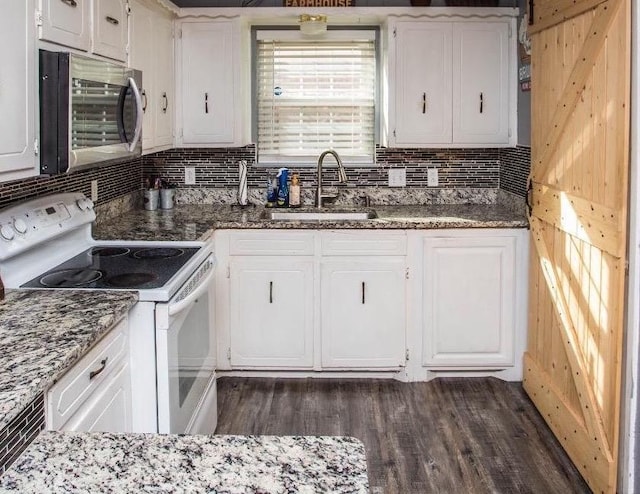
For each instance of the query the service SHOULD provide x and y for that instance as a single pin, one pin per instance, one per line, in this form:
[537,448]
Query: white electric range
[46,244]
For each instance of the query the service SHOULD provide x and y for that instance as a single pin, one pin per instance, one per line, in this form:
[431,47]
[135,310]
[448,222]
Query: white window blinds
[314,95]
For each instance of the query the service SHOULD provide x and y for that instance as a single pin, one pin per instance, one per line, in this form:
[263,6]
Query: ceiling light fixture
[312,25]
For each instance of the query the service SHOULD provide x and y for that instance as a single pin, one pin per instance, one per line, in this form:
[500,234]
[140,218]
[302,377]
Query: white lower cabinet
[108,409]
[363,306]
[271,312]
[95,394]
[417,304]
[469,301]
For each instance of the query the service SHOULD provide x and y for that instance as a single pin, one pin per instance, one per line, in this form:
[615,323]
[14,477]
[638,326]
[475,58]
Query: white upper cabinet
[481,83]
[110,28]
[18,91]
[151,51]
[422,110]
[452,84]
[66,22]
[164,97]
[207,83]
[98,26]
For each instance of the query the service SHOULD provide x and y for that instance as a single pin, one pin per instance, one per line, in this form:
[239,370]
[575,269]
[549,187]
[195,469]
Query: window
[315,94]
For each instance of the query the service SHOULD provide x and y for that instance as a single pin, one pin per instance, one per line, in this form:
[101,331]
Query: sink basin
[320,215]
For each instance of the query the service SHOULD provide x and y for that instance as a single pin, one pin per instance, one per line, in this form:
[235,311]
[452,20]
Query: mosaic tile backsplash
[490,168]
[19,433]
[463,168]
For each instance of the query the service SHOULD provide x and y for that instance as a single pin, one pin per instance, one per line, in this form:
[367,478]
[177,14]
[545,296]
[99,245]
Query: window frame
[311,161]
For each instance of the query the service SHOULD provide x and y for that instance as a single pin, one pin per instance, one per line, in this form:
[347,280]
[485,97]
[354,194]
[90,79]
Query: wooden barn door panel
[578,194]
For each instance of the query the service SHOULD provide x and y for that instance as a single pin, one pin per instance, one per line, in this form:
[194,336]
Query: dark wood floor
[449,435]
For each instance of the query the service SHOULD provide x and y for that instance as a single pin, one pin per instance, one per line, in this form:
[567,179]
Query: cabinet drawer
[271,244]
[70,392]
[363,244]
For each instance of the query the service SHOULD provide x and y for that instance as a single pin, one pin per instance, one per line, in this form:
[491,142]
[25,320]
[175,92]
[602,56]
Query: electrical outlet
[94,190]
[189,175]
[432,177]
[397,177]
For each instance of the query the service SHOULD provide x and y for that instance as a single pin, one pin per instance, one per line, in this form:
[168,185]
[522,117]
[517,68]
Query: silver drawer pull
[112,20]
[70,3]
[103,364]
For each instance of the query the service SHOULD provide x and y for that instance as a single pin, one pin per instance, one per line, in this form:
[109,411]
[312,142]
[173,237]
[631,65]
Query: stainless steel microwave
[90,111]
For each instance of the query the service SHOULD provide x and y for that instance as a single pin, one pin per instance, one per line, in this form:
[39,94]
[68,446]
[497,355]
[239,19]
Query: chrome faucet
[342,176]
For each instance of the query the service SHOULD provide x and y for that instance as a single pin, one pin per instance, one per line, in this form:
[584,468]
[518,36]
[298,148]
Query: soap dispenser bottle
[283,188]
[294,192]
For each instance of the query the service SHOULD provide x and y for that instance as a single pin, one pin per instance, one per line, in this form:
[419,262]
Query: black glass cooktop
[121,267]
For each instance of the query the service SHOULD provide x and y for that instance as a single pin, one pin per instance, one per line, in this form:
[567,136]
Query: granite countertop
[197,222]
[91,463]
[46,332]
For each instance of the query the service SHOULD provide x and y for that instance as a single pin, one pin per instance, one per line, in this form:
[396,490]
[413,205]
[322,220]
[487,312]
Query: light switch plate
[432,177]
[94,190]
[189,175]
[397,177]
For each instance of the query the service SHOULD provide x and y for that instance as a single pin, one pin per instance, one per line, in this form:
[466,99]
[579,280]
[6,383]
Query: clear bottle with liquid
[294,192]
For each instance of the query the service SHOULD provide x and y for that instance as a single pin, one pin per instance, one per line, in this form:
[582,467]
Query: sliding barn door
[578,193]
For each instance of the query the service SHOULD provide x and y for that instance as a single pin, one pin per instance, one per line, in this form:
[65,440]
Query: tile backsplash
[217,167]
[477,168]
[114,180]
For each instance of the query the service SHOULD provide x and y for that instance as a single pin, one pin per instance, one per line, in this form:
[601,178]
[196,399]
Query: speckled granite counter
[197,222]
[94,463]
[45,332]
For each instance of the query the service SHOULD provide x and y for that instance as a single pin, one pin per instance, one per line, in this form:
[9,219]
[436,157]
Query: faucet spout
[342,175]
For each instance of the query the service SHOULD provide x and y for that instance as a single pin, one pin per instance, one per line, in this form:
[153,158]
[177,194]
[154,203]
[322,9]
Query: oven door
[185,357]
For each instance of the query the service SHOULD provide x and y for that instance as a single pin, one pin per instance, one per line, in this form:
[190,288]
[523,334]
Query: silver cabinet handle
[143,93]
[481,102]
[166,103]
[363,292]
[70,3]
[206,102]
[424,102]
[271,292]
[103,365]
[112,20]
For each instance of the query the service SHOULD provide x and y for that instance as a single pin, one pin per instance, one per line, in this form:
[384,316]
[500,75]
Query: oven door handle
[188,300]
[139,111]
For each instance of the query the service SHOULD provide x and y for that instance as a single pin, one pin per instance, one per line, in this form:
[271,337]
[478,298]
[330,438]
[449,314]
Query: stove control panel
[33,223]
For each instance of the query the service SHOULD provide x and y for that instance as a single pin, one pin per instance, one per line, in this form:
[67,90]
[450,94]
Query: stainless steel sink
[320,215]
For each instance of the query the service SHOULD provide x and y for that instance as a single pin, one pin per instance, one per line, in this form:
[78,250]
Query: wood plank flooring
[448,435]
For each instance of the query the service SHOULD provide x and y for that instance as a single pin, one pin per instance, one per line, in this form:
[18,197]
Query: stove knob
[7,232]
[89,203]
[20,226]
[81,203]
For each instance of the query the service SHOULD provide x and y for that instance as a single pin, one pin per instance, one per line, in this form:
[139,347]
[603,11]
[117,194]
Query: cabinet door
[164,100]
[110,28]
[422,91]
[469,300]
[142,57]
[17,91]
[363,312]
[108,409]
[271,303]
[481,82]
[207,83]
[66,22]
